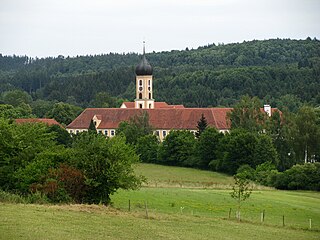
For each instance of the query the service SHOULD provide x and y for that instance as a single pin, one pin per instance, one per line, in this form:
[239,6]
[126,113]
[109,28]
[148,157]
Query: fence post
[282,220]
[129,205]
[263,215]
[146,206]
[310,223]
[229,213]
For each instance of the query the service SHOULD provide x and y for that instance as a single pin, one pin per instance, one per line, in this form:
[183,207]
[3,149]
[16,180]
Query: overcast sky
[80,27]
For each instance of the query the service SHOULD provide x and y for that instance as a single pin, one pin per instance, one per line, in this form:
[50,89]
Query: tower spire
[144,48]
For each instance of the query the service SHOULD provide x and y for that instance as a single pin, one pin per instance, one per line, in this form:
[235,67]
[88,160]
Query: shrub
[303,177]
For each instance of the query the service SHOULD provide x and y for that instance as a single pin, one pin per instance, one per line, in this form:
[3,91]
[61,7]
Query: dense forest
[280,72]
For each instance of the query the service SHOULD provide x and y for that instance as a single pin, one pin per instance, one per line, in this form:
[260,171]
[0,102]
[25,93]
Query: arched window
[140,82]
[140,95]
[149,95]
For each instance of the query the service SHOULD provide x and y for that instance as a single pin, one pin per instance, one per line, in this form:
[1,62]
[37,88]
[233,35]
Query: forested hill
[279,71]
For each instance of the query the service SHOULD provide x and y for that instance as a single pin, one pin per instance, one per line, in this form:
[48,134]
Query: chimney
[267,109]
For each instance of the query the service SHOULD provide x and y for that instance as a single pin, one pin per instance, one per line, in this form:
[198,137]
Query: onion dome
[144,68]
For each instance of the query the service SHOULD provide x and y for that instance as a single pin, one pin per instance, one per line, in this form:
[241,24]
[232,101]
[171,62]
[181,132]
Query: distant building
[47,121]
[162,117]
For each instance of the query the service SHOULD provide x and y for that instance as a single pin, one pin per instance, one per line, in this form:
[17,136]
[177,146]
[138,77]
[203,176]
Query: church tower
[144,96]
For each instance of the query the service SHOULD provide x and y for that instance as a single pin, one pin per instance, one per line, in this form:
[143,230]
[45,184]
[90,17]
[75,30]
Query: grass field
[187,210]
[166,176]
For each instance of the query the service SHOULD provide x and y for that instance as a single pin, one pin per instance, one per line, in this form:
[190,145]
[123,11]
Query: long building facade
[162,116]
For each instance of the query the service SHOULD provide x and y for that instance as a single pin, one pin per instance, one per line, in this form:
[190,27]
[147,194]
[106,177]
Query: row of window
[105,132]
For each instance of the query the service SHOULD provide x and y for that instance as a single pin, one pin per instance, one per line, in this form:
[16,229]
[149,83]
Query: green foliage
[41,107]
[304,177]
[306,135]
[213,75]
[62,136]
[247,172]
[243,147]
[264,173]
[207,147]
[202,125]
[178,149]
[10,112]
[19,146]
[147,148]
[104,100]
[106,165]
[247,115]
[41,163]
[138,126]
[16,98]
[92,127]
[64,113]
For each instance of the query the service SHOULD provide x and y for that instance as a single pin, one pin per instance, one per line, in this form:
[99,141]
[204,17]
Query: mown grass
[34,222]
[297,207]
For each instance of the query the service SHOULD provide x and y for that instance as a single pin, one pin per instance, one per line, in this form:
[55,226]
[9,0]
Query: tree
[61,135]
[103,100]
[106,165]
[247,115]
[241,192]
[20,145]
[135,128]
[306,134]
[16,98]
[178,149]
[207,147]
[202,125]
[147,148]
[92,127]
[236,149]
[64,113]
[10,112]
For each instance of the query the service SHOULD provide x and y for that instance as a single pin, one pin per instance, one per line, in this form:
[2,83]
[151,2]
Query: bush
[263,173]
[247,172]
[302,177]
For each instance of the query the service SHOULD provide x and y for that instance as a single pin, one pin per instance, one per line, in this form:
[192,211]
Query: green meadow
[175,203]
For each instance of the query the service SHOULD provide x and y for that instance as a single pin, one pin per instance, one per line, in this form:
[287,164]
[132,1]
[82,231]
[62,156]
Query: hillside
[180,212]
[280,71]
[169,176]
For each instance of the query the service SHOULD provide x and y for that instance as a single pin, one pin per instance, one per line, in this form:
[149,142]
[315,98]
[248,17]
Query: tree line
[282,72]
[270,150]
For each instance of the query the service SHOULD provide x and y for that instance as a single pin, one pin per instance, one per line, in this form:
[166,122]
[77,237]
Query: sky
[45,28]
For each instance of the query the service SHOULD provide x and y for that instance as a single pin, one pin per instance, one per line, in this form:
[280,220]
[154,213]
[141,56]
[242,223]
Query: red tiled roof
[161,118]
[156,105]
[47,121]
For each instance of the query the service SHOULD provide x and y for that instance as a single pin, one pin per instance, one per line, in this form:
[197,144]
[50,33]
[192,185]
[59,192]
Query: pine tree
[202,125]
[92,127]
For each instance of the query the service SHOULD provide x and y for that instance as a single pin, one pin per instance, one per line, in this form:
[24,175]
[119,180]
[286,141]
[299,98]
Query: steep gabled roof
[161,118]
[47,121]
